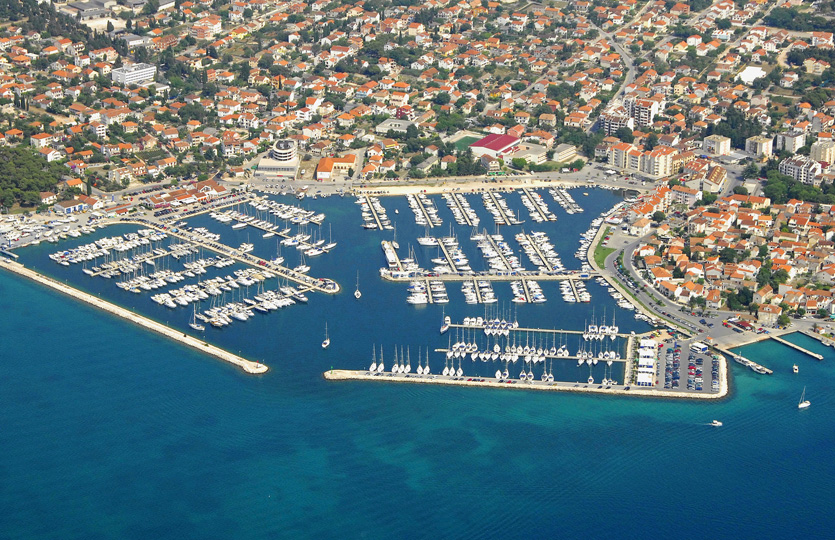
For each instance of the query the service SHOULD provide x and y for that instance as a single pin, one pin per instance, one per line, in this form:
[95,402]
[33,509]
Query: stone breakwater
[635,391]
[190,341]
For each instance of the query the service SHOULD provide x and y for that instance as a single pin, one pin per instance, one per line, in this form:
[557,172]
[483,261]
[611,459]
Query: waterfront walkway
[484,382]
[193,342]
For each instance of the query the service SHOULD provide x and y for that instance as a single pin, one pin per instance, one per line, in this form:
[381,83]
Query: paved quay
[557,386]
[247,365]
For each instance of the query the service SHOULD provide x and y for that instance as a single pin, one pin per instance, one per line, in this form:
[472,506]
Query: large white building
[717,145]
[802,169]
[134,74]
[823,151]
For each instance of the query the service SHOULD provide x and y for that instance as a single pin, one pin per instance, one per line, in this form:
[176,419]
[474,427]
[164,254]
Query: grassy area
[601,252]
[464,142]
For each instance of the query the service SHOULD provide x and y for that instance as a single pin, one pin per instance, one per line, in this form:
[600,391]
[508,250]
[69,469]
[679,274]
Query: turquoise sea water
[108,431]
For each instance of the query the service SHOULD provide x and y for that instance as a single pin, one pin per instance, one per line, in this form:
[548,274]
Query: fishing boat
[357,293]
[327,342]
[804,403]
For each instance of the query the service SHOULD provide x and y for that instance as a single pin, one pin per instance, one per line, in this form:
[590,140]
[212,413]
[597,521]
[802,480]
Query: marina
[207,348]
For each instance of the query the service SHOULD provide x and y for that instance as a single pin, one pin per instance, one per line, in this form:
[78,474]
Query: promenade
[247,365]
[481,382]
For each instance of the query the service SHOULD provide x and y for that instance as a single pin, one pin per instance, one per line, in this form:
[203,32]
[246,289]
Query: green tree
[659,216]
[625,134]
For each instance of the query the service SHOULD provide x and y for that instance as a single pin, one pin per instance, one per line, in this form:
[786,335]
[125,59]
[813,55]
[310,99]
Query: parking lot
[687,370]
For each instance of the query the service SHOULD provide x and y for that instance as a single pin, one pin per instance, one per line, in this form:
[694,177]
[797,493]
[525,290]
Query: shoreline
[557,386]
[247,366]
[471,186]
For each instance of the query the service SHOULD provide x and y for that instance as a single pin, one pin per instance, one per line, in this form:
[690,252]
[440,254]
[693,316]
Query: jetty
[374,212]
[464,214]
[448,256]
[502,215]
[574,290]
[796,347]
[429,221]
[247,365]
[527,194]
[318,284]
[750,364]
[523,329]
[820,337]
[484,382]
[535,246]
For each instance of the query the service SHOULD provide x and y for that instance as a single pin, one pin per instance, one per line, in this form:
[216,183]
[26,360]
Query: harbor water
[109,431]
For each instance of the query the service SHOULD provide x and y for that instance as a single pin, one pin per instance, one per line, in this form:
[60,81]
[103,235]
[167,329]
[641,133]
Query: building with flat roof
[134,74]
[717,145]
[495,145]
[759,145]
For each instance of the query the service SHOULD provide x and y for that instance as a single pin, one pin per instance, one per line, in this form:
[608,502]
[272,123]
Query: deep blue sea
[108,431]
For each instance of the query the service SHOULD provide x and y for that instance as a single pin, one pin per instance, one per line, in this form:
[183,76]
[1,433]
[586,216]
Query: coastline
[473,186]
[248,366]
[353,375]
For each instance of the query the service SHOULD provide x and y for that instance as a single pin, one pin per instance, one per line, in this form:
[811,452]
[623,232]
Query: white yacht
[357,293]
[327,342]
[804,403]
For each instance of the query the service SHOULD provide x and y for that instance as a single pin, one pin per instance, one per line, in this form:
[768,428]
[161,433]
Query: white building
[133,74]
[791,141]
[802,169]
[717,145]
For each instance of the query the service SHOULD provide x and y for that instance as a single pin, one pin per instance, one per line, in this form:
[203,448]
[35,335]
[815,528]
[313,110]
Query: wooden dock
[498,250]
[527,291]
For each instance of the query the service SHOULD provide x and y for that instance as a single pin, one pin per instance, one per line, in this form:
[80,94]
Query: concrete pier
[501,211]
[193,342]
[796,347]
[484,382]
[425,214]
[460,207]
[374,212]
[319,284]
[527,193]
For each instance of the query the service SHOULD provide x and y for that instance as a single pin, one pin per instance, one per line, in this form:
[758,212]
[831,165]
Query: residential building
[760,145]
[717,145]
[802,169]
